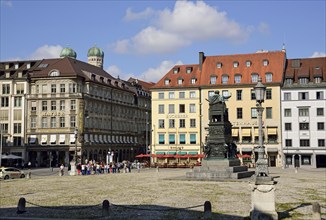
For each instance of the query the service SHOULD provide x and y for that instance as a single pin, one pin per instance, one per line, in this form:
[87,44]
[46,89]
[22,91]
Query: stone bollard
[207,210]
[29,175]
[21,206]
[157,169]
[105,208]
[296,170]
[316,213]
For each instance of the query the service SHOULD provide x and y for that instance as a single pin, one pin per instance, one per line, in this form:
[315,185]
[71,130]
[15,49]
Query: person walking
[62,167]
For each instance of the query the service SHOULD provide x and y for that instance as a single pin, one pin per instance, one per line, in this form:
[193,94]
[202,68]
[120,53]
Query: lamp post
[261,164]
[76,135]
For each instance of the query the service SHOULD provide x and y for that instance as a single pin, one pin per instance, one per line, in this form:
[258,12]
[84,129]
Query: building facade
[303,113]
[235,77]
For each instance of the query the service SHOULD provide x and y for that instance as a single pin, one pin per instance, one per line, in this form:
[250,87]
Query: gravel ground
[157,195]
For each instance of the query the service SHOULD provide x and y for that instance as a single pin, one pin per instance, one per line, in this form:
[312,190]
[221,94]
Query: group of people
[93,167]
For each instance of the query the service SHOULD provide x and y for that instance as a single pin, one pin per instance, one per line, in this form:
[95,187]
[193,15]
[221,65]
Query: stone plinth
[73,170]
[219,169]
[263,199]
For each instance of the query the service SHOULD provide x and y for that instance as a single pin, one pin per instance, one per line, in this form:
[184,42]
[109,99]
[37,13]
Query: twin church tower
[95,55]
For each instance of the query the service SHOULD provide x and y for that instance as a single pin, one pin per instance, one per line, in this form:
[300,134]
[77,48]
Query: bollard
[21,205]
[157,169]
[316,214]
[105,208]
[296,170]
[29,175]
[207,210]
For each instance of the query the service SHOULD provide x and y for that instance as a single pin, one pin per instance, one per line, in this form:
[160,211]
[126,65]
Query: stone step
[240,175]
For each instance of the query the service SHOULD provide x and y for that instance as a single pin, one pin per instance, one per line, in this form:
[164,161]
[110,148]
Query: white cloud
[263,28]
[46,51]
[318,54]
[185,23]
[136,16]
[7,3]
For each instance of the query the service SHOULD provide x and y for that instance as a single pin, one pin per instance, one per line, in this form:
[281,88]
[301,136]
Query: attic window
[213,80]
[235,64]
[28,66]
[188,70]
[248,63]
[237,78]
[93,77]
[43,65]
[54,73]
[254,77]
[317,68]
[218,65]
[175,70]
[265,62]
[167,82]
[109,81]
[269,77]
[317,79]
[180,81]
[193,81]
[16,65]
[225,79]
[102,79]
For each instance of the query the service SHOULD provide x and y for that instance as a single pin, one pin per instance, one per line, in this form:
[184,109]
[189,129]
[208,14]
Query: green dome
[95,51]
[68,52]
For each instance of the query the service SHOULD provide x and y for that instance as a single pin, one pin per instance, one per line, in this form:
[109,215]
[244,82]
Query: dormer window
[175,70]
[237,78]
[265,62]
[213,80]
[102,79]
[193,81]
[28,66]
[93,77]
[219,65]
[288,81]
[109,81]
[54,73]
[235,64]
[248,63]
[254,77]
[269,77]
[188,70]
[225,79]
[303,80]
[180,80]
[16,65]
[166,82]
[317,79]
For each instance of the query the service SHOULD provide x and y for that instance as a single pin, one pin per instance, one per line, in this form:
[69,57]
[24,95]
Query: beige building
[235,77]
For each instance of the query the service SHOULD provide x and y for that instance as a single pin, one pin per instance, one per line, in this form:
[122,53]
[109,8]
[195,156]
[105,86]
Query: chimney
[201,60]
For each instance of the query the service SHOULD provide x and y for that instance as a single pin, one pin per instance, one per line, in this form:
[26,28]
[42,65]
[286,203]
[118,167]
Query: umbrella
[10,156]
[140,156]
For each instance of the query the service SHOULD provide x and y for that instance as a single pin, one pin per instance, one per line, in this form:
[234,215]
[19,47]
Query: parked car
[11,173]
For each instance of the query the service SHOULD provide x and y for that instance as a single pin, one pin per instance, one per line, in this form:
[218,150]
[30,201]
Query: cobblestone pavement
[157,195]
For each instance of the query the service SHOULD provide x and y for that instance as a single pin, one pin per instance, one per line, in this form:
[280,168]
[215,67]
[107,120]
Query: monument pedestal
[73,170]
[263,199]
[214,169]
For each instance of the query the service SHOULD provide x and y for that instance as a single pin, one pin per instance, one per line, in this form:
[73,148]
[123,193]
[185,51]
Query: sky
[145,39]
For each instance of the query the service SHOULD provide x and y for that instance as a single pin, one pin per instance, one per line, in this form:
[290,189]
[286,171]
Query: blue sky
[144,39]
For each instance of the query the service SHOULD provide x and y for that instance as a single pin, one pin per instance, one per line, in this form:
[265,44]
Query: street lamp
[261,164]
[76,134]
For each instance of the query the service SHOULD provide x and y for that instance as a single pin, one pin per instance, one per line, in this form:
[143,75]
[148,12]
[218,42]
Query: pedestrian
[62,169]
[138,166]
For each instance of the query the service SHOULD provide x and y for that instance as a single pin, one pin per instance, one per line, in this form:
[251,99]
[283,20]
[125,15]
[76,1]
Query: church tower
[95,56]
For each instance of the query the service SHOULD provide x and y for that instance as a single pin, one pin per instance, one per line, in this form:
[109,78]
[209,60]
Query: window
[210,93]
[288,81]
[44,105]
[254,78]
[321,142]
[193,81]
[62,88]
[287,112]
[73,121]
[304,142]
[44,122]
[17,141]
[44,89]
[303,80]
[62,105]
[181,95]
[303,95]
[20,88]
[269,77]
[53,122]
[288,126]
[239,113]
[253,112]
[53,88]
[33,122]
[171,108]
[182,108]
[33,106]
[72,104]
[192,108]
[17,101]
[161,95]
[320,126]
[265,62]
[253,94]
[192,138]
[225,79]
[192,123]
[6,89]
[182,138]
[319,95]
[213,80]
[171,123]
[171,95]
[17,128]
[317,80]
[237,78]
[180,81]
[188,70]
[54,73]
[218,65]
[225,93]
[304,126]
[248,63]
[62,122]
[239,95]
[175,70]
[288,142]
[303,112]
[192,94]
[320,111]
[269,112]
[167,82]
[53,105]
[4,101]
[171,138]
[182,123]
[161,139]
[235,64]
[72,88]
[161,123]
[287,96]
[306,160]
[268,94]
[161,109]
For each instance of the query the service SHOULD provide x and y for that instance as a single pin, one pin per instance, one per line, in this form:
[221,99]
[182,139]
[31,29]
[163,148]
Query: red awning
[158,155]
[140,156]
[197,156]
[169,156]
